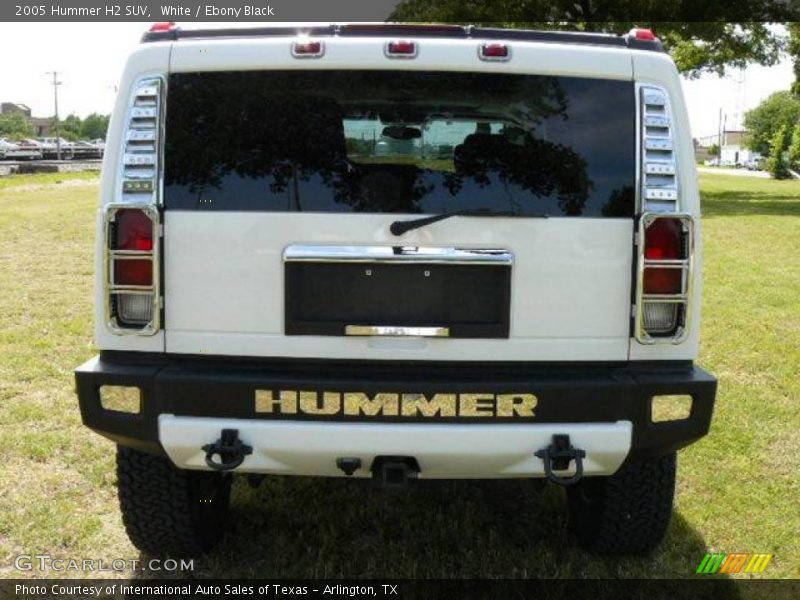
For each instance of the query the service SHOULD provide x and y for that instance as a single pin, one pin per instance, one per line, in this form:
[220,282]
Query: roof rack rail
[632,39]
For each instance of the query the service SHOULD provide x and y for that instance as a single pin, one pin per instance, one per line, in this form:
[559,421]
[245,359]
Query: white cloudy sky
[90,56]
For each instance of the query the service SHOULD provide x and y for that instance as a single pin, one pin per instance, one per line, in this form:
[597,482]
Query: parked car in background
[6,147]
[51,146]
[755,164]
[87,149]
[13,151]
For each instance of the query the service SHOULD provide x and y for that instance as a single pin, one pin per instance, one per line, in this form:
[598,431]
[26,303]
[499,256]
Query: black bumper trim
[225,388]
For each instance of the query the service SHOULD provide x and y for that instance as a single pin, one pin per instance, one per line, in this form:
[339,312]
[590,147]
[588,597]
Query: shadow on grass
[294,527]
[741,203]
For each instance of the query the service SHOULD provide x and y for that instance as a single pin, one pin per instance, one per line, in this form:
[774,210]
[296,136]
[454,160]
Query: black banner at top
[519,11]
[197,10]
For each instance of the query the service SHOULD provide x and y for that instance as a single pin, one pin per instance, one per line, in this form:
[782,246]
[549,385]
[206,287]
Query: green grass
[12,181]
[738,488]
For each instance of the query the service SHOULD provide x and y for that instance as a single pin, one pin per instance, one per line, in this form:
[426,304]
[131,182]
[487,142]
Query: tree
[69,128]
[704,37]
[74,128]
[776,164]
[793,49]
[778,110]
[94,126]
[794,147]
[15,126]
[713,149]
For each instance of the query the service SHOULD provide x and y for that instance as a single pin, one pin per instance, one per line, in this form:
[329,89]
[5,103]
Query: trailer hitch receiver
[229,448]
[557,456]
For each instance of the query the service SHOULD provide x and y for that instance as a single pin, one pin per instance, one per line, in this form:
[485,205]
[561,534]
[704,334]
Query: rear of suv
[399,252]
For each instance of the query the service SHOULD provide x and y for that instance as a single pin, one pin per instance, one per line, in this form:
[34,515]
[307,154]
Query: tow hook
[348,466]
[230,449]
[557,456]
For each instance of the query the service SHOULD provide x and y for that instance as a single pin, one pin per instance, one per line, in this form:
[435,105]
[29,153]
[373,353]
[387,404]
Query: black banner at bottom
[151,589]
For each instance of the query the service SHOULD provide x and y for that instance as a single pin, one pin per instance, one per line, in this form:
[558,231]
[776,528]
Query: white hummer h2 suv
[399,252]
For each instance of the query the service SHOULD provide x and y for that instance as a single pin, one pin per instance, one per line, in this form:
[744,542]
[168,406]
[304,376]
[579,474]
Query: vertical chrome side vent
[140,165]
[659,180]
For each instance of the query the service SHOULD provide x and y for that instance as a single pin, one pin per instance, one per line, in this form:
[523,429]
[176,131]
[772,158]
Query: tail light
[646,35]
[494,51]
[400,49]
[665,261]
[308,48]
[132,271]
[162,26]
[132,222]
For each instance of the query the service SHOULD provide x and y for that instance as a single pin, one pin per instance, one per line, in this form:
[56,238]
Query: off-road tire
[628,512]
[169,511]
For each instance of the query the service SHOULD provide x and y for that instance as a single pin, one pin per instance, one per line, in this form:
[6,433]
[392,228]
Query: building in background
[732,144]
[42,125]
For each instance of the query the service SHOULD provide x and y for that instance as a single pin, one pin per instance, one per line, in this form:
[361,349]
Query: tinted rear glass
[399,142]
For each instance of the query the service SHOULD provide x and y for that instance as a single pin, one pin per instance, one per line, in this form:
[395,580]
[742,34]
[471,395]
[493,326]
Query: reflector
[120,398]
[133,272]
[662,280]
[670,408]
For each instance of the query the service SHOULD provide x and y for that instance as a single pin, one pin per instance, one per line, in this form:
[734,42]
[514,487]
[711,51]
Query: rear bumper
[443,451]
[185,402]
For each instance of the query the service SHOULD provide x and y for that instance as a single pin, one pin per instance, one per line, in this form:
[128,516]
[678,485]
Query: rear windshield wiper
[401,227]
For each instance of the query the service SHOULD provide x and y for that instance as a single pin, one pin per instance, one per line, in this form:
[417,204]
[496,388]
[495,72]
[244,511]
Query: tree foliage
[776,164]
[701,37]
[793,48]
[74,128]
[94,126]
[70,128]
[15,126]
[781,109]
[794,147]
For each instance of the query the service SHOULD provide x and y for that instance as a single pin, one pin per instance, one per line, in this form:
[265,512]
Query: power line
[55,84]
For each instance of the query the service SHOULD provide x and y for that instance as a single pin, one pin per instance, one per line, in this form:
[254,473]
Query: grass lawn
[738,490]
[28,181]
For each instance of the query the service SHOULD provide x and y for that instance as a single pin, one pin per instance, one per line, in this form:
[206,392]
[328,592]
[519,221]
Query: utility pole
[719,138]
[724,137]
[56,83]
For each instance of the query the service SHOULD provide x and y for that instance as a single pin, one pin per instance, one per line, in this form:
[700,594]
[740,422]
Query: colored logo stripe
[711,563]
[758,563]
[733,563]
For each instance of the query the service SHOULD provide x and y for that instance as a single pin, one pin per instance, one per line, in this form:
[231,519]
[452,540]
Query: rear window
[399,142]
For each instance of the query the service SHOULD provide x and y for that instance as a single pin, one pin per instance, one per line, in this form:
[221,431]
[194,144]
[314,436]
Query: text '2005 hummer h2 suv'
[397,251]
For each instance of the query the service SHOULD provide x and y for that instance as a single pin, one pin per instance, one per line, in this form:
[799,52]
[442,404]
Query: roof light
[163,26]
[401,49]
[308,49]
[494,51]
[645,35]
